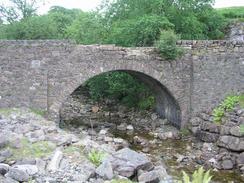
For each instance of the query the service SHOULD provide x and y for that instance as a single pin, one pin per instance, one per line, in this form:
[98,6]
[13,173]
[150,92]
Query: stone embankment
[226,136]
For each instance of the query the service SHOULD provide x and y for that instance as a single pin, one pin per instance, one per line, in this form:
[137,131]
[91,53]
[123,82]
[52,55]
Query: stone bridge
[42,74]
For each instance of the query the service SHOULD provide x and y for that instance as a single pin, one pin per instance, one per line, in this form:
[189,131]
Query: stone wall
[236,31]
[42,74]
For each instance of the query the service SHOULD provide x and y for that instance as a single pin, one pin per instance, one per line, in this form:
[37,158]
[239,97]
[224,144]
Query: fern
[199,176]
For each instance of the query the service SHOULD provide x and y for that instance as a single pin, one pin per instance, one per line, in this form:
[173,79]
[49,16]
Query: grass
[8,111]
[96,157]
[232,12]
[241,100]
[32,150]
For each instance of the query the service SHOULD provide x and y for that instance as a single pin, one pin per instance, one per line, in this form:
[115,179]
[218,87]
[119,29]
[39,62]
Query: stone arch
[82,65]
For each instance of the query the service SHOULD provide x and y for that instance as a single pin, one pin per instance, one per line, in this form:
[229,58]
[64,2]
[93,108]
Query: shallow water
[166,151]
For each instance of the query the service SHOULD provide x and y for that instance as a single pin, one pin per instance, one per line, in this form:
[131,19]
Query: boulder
[105,170]
[18,175]
[227,164]
[55,161]
[211,127]
[231,143]
[29,169]
[4,168]
[240,160]
[207,136]
[155,176]
[196,121]
[126,162]
[235,131]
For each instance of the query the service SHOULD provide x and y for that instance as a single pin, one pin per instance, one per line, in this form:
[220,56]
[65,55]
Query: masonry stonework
[42,74]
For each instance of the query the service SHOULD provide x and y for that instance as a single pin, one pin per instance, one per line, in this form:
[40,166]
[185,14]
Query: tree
[19,9]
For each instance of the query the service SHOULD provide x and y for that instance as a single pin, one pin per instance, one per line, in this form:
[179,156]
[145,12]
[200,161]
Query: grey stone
[196,121]
[240,159]
[55,161]
[155,176]
[6,153]
[105,170]
[227,164]
[231,143]
[29,169]
[207,136]
[3,141]
[4,168]
[18,175]
[235,131]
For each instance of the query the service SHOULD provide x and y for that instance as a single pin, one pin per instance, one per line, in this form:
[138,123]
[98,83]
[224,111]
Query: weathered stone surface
[155,176]
[4,168]
[55,161]
[18,175]
[29,169]
[211,127]
[207,136]
[227,164]
[231,143]
[105,170]
[240,160]
[199,88]
[235,131]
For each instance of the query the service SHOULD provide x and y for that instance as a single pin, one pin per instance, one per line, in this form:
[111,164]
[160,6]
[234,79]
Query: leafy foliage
[167,45]
[96,157]
[232,12]
[199,176]
[123,87]
[227,105]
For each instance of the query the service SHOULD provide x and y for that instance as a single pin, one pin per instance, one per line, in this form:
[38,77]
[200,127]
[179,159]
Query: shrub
[167,45]
[96,157]
[227,105]
[199,176]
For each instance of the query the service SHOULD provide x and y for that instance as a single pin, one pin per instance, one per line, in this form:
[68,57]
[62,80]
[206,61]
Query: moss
[71,149]
[32,150]
[241,100]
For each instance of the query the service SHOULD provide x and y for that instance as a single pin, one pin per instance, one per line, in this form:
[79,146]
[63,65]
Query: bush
[167,45]
[199,176]
[227,105]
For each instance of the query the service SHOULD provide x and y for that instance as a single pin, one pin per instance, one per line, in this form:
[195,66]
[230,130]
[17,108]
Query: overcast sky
[87,5]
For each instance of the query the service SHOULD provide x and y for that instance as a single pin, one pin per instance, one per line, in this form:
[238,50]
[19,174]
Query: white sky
[87,5]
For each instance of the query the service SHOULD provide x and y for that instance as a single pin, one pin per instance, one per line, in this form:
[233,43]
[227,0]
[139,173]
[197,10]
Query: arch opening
[78,108]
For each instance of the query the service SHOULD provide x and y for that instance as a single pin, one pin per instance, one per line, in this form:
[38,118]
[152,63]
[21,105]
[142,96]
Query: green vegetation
[227,105]
[96,157]
[8,111]
[38,112]
[122,87]
[232,12]
[167,45]
[199,176]
[32,150]
[185,132]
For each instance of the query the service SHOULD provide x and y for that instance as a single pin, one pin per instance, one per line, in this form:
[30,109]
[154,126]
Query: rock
[227,164]
[41,165]
[3,141]
[103,132]
[29,169]
[108,139]
[155,176]
[26,161]
[6,153]
[211,127]
[224,130]
[95,109]
[87,170]
[36,136]
[2,159]
[196,121]
[122,127]
[4,168]
[18,175]
[204,116]
[127,161]
[207,136]
[55,161]
[236,131]
[118,140]
[130,128]
[154,116]
[9,180]
[105,170]
[168,135]
[231,143]
[240,160]
[194,130]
